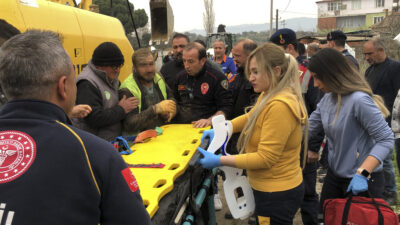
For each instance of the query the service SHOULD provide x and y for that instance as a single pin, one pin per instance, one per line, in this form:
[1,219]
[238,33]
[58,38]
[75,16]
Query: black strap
[346,210]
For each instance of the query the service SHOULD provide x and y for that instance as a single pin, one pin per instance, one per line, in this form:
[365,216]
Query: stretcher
[173,149]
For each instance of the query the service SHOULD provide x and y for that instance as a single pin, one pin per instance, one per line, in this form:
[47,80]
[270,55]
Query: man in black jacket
[383,76]
[52,172]
[201,91]
[98,87]
[171,69]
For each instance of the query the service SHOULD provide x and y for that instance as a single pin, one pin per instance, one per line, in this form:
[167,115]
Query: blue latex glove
[358,184]
[210,160]
[208,133]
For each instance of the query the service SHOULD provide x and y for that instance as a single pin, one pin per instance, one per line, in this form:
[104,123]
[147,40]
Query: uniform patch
[130,179]
[107,94]
[225,84]
[17,153]
[204,88]
[181,87]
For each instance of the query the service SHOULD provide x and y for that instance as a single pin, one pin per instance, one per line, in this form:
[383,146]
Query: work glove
[358,184]
[165,106]
[210,160]
[208,133]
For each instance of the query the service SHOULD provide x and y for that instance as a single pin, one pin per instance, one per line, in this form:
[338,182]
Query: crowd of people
[286,107]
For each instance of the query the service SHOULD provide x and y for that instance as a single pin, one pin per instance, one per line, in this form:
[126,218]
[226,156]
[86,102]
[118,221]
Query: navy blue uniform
[68,176]
[202,95]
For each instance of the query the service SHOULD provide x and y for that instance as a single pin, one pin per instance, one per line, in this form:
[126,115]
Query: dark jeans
[279,206]
[309,207]
[335,187]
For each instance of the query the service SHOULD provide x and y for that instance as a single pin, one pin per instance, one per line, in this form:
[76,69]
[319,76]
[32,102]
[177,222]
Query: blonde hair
[341,78]
[268,57]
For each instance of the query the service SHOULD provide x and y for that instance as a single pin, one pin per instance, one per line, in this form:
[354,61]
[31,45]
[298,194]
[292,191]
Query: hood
[292,102]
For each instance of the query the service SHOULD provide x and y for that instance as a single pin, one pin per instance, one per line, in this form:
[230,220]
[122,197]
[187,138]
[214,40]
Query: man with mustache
[98,87]
[156,104]
[171,69]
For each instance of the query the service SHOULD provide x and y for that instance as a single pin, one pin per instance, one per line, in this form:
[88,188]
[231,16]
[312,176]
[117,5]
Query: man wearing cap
[286,38]
[156,103]
[98,87]
[337,40]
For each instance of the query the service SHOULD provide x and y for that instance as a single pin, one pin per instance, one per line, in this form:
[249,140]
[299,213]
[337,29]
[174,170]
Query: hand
[209,134]
[128,104]
[210,160]
[201,123]
[312,156]
[165,106]
[358,184]
[80,111]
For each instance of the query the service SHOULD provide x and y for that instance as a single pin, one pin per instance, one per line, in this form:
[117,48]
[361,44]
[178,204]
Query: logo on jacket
[130,179]
[107,94]
[17,153]
[225,84]
[204,88]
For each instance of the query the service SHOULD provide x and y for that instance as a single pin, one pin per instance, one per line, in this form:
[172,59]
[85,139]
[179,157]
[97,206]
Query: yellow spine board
[174,148]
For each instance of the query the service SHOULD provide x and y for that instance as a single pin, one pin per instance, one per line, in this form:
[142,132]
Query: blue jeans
[388,171]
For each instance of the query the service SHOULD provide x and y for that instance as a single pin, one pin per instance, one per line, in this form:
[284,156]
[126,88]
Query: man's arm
[135,121]
[99,117]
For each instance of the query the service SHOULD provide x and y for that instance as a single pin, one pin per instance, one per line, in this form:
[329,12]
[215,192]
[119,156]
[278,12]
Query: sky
[188,14]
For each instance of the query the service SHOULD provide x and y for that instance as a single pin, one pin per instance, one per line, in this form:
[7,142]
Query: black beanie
[107,54]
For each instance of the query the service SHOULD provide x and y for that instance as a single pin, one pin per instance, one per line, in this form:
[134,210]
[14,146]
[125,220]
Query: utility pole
[276,20]
[271,17]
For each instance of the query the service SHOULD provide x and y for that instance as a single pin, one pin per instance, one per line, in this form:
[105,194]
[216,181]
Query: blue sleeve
[232,67]
[315,130]
[371,119]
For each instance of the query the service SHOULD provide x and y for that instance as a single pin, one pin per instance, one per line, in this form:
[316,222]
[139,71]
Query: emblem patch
[204,88]
[17,153]
[181,87]
[225,84]
[107,94]
[130,179]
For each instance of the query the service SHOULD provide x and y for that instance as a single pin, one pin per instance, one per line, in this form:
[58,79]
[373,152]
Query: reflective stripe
[132,86]
[84,150]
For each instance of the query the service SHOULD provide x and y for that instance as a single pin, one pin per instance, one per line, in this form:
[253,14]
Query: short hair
[340,42]
[31,63]
[220,40]
[7,30]
[200,42]
[378,44]
[301,48]
[248,45]
[313,46]
[180,35]
[202,51]
[139,55]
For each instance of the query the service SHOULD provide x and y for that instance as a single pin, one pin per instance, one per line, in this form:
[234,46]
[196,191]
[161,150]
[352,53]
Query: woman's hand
[210,160]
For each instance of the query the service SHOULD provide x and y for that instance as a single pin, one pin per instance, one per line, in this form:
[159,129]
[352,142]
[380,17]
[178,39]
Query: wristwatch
[364,172]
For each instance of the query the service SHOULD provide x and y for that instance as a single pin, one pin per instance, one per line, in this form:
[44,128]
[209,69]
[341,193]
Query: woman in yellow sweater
[271,136]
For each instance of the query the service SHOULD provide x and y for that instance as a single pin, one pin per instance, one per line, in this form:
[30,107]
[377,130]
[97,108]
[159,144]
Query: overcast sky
[188,14]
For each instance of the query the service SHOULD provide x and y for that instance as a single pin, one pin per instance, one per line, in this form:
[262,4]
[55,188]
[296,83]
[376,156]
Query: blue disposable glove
[210,160]
[208,133]
[358,184]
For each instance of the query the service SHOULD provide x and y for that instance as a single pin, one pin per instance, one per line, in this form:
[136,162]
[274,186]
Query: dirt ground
[221,214]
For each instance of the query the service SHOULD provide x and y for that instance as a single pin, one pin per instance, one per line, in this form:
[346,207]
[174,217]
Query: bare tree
[209,16]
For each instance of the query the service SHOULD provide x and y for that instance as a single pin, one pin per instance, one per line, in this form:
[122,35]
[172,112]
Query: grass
[396,207]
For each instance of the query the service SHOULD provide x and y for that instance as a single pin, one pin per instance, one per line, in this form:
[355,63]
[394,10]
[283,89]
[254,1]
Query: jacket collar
[33,109]
[101,74]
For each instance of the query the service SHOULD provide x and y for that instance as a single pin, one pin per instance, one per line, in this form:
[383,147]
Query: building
[352,15]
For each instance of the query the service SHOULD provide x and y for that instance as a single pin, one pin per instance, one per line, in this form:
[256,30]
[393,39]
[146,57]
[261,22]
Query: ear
[62,87]
[203,60]
[277,71]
